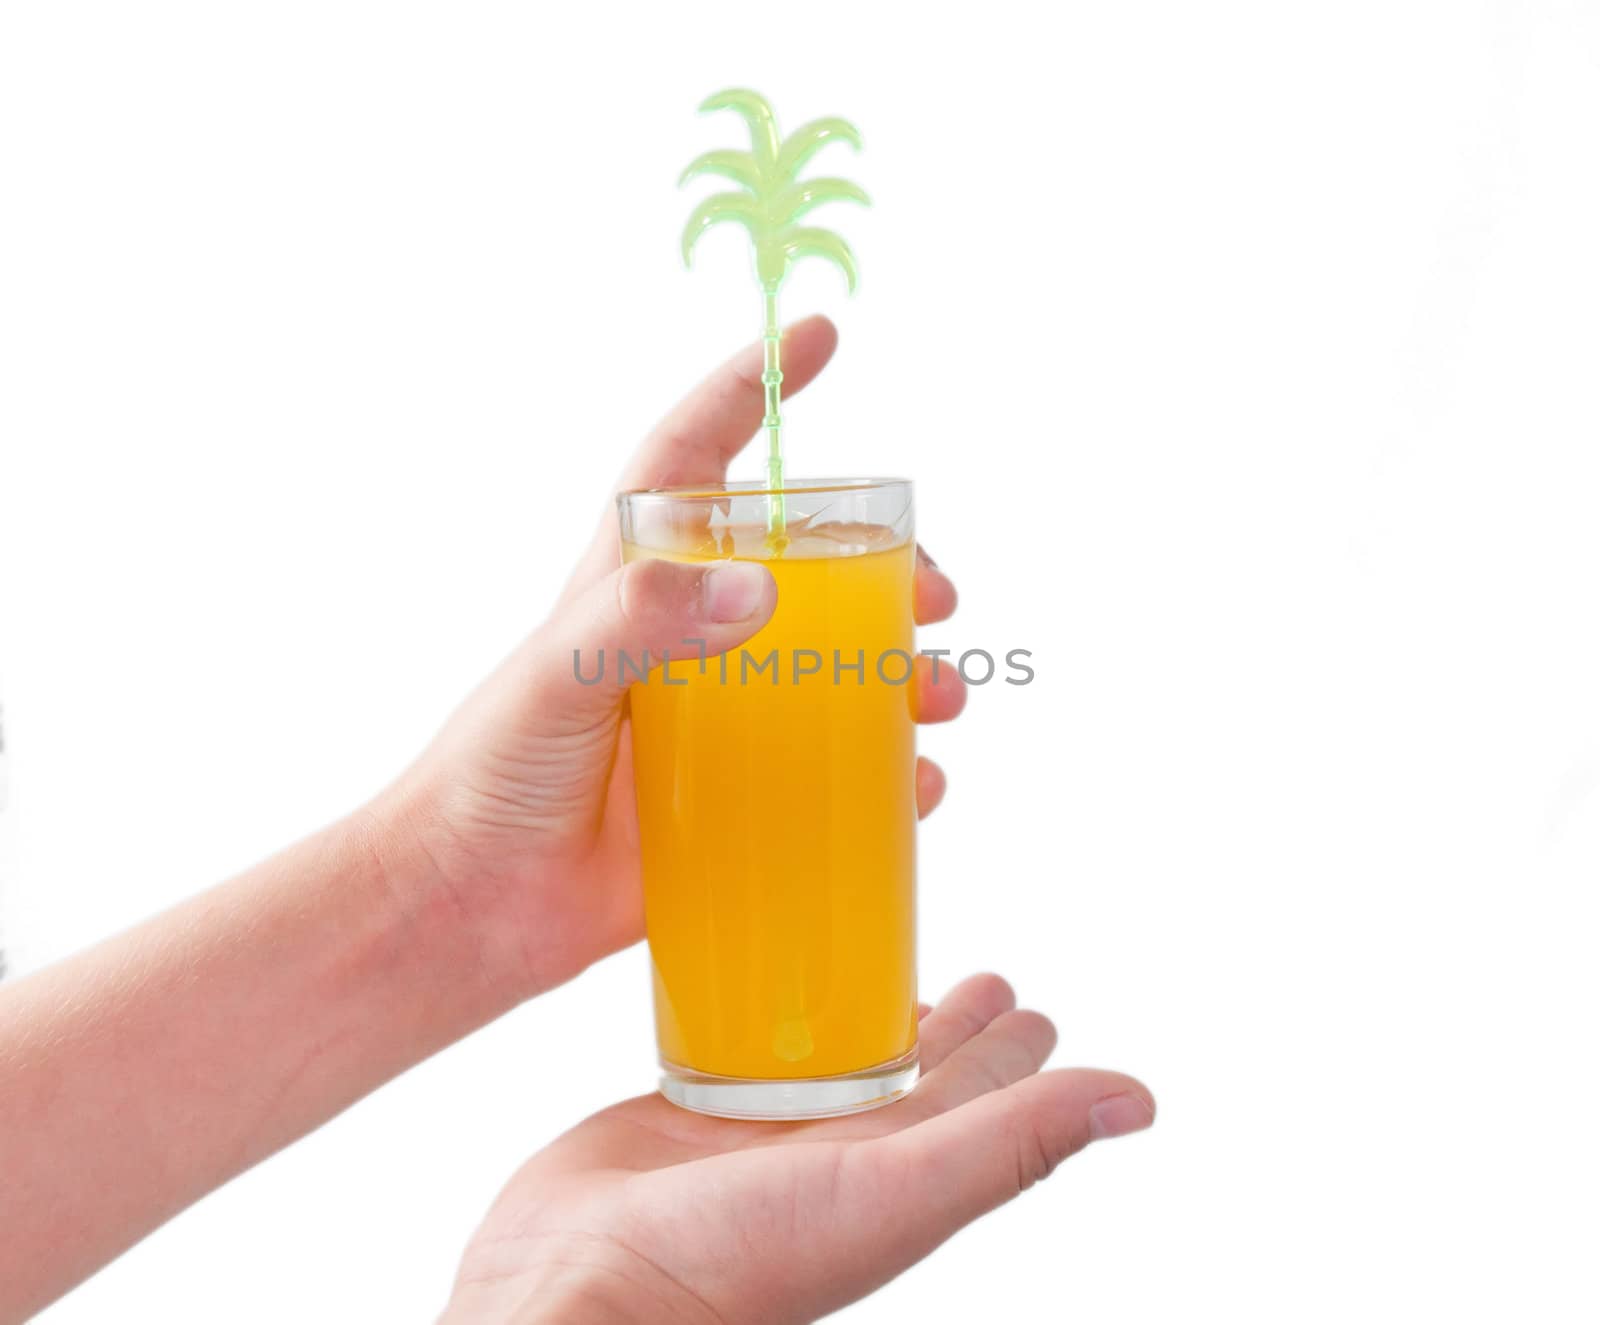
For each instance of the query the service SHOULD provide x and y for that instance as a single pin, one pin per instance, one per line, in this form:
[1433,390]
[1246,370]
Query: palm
[788,1222]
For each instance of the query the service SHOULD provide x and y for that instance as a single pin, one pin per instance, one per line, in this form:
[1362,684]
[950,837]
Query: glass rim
[758,488]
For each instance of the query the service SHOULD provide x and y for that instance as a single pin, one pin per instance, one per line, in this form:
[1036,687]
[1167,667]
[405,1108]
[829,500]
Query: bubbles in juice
[831,539]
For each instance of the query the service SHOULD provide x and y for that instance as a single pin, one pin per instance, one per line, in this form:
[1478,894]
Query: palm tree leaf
[740,167]
[801,145]
[720,207]
[798,199]
[811,242]
[756,112]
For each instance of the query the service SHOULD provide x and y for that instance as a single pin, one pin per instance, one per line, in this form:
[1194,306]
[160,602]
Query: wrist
[444,908]
[557,1304]
[582,1288]
[529,1276]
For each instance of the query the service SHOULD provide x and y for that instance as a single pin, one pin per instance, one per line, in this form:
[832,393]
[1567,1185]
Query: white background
[1246,359]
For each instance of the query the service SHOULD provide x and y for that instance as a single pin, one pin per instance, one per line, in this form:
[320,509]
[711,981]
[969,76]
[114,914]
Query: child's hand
[647,1213]
[523,806]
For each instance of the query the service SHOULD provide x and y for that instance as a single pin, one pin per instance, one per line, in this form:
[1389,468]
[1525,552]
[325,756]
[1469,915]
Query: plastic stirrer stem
[770,200]
[772,380]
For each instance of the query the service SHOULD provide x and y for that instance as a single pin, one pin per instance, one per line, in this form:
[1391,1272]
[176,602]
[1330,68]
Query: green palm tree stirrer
[770,207]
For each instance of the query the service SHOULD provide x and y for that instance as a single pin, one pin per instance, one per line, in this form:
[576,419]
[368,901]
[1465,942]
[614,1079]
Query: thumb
[540,731]
[898,1197]
[643,614]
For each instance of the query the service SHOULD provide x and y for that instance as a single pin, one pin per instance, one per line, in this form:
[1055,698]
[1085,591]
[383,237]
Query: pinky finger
[930,787]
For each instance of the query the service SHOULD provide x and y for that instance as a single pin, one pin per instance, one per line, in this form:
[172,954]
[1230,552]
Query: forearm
[139,1075]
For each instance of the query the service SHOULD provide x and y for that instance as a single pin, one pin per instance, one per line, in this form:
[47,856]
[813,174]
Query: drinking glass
[777,805]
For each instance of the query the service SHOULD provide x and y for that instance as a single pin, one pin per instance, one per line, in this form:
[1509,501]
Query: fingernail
[926,559]
[1117,1115]
[732,591]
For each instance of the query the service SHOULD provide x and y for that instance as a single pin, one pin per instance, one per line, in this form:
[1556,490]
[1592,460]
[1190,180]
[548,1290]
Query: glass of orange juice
[777,805]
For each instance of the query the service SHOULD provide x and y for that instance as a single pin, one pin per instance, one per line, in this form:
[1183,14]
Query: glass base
[786,1101]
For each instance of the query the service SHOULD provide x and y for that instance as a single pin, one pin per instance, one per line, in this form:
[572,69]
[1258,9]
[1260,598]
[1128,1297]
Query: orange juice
[777,822]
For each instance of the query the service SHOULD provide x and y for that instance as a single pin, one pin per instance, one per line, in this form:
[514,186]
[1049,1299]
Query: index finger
[706,429]
[711,425]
